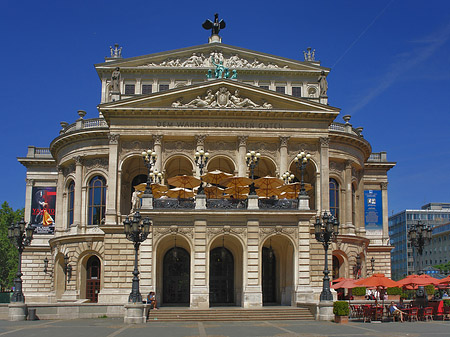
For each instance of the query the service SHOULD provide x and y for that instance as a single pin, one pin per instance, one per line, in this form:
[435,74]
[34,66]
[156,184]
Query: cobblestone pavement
[114,327]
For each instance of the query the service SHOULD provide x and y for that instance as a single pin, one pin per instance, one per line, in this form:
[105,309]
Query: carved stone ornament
[336,167]
[384,185]
[284,141]
[200,60]
[96,163]
[78,160]
[157,139]
[242,140]
[68,170]
[222,98]
[238,231]
[172,230]
[265,232]
[324,141]
[200,140]
[114,138]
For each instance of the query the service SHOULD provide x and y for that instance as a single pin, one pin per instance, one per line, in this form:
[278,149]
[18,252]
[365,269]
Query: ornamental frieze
[159,231]
[221,98]
[178,146]
[68,170]
[95,163]
[199,60]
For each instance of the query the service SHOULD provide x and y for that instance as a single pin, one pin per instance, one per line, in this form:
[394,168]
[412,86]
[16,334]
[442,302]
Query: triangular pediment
[201,56]
[217,95]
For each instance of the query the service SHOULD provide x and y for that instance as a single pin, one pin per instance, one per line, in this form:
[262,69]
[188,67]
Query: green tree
[8,253]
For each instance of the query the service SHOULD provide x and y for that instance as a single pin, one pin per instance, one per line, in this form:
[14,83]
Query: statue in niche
[215,26]
[135,200]
[115,80]
[323,84]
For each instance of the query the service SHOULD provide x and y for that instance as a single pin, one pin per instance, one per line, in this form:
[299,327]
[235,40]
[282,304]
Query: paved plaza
[114,327]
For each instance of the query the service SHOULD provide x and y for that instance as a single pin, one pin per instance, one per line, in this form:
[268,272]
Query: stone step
[228,314]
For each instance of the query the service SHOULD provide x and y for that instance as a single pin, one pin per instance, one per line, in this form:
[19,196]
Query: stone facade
[260,110]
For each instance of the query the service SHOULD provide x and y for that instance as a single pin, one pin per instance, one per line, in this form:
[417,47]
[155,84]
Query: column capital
[348,164]
[157,139]
[30,182]
[113,138]
[324,141]
[242,140]
[384,185]
[60,169]
[78,160]
[284,141]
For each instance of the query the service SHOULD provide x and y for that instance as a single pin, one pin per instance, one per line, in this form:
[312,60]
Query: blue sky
[389,58]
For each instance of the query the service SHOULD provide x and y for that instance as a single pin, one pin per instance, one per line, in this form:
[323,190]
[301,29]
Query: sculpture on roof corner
[116,52]
[309,55]
[323,84]
[215,27]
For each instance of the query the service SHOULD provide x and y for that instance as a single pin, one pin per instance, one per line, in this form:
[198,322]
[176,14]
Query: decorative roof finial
[215,27]
[309,55]
[116,52]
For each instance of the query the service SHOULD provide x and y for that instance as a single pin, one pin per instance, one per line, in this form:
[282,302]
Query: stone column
[384,196]
[350,227]
[111,212]
[77,204]
[240,160]
[283,155]
[200,287]
[252,282]
[324,174]
[119,195]
[28,199]
[59,216]
[157,147]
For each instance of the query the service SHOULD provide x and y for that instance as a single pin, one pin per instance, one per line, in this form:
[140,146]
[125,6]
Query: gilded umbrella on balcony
[184,181]
[215,177]
[267,186]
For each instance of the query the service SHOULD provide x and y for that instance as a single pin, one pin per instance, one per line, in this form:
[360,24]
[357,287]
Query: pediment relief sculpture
[222,98]
[200,60]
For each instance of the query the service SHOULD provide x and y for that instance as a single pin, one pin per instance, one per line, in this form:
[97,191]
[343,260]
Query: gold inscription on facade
[225,124]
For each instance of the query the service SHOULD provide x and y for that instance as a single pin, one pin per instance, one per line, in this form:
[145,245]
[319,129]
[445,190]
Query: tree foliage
[8,253]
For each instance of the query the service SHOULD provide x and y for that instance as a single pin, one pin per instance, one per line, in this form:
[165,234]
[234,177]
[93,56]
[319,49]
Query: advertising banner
[373,210]
[43,204]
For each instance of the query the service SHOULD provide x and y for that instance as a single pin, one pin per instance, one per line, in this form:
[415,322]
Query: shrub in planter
[430,289]
[359,291]
[341,308]
[394,291]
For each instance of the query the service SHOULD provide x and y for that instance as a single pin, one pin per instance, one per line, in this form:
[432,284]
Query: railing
[173,203]
[226,203]
[347,128]
[84,124]
[278,203]
[378,157]
[38,152]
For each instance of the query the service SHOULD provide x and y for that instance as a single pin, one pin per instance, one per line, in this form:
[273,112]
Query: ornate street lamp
[287,177]
[201,158]
[21,237]
[149,157]
[137,232]
[372,264]
[420,235]
[325,231]
[156,177]
[252,161]
[301,160]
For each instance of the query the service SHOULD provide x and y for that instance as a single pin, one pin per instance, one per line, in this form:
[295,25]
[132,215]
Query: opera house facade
[242,154]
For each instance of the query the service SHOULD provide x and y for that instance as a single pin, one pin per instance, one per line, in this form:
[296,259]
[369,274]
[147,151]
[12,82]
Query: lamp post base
[326,311]
[17,311]
[303,202]
[134,313]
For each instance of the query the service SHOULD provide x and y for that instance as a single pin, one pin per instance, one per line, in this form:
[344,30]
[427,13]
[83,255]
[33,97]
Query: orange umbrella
[236,182]
[216,176]
[184,181]
[348,283]
[415,281]
[377,280]
[158,190]
[445,280]
[213,192]
[179,192]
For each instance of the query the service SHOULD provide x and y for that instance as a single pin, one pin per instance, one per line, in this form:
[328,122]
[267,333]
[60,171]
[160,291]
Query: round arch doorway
[269,279]
[221,277]
[176,277]
[93,269]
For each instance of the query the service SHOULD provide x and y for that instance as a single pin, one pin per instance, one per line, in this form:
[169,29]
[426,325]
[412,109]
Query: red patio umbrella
[445,280]
[415,281]
[348,283]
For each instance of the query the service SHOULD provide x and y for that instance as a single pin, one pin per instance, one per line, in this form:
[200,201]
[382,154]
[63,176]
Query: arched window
[97,200]
[70,203]
[334,198]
